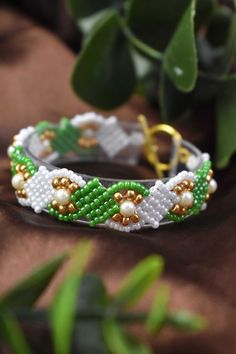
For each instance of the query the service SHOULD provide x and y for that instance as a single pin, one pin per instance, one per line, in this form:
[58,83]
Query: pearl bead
[212,186]
[62,196]
[186,199]
[127,208]
[18,181]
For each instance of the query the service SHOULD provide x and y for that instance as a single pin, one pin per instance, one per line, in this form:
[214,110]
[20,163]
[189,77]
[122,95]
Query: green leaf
[84,8]
[158,313]
[186,321]
[27,292]
[104,74]
[173,103]
[119,342]
[155,23]
[226,122]
[93,294]
[12,333]
[63,311]
[180,59]
[139,280]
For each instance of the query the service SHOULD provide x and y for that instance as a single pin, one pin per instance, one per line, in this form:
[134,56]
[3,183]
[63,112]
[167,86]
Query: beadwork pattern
[124,205]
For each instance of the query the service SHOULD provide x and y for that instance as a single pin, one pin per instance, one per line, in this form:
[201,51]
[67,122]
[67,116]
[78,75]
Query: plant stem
[43,315]
[141,46]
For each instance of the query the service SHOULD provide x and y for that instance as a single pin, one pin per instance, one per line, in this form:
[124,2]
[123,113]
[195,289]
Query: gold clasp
[151,147]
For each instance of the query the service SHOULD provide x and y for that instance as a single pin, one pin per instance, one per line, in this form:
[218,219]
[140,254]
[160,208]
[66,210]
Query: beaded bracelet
[122,205]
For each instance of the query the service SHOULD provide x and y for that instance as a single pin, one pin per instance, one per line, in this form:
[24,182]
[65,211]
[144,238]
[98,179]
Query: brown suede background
[200,253]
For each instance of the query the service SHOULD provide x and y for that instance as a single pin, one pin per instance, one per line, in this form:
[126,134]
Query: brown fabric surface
[200,253]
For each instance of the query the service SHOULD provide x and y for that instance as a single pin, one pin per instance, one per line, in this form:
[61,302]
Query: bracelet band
[119,204]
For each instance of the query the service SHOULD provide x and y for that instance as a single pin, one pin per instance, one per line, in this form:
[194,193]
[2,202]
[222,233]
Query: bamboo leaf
[139,280]
[27,292]
[104,74]
[12,333]
[62,314]
[226,122]
[180,59]
[158,313]
[84,8]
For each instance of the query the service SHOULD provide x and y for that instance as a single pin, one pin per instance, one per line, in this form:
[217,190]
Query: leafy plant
[83,317]
[177,53]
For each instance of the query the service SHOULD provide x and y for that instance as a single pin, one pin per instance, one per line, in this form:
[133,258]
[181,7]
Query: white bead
[62,196]
[186,199]
[212,186]
[18,181]
[127,208]
[10,151]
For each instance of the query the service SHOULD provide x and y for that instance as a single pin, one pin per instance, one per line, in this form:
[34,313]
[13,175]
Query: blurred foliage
[179,54]
[83,318]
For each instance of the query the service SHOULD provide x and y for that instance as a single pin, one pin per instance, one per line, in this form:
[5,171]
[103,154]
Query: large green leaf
[158,313]
[226,122]
[139,280]
[63,311]
[154,21]
[180,59]
[104,74]
[120,342]
[12,334]
[27,292]
[84,8]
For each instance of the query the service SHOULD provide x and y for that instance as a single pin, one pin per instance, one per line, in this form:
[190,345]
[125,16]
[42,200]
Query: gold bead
[208,178]
[178,189]
[73,187]
[211,173]
[191,185]
[55,204]
[56,182]
[19,193]
[118,197]
[62,209]
[130,194]
[71,208]
[23,194]
[135,218]
[22,168]
[182,210]
[18,168]
[185,184]
[117,217]
[65,182]
[176,209]
[138,199]
[207,197]
[26,176]
[49,135]
[125,221]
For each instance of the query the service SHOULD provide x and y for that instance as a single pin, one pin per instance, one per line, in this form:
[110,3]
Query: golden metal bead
[23,194]
[118,197]
[191,185]
[56,182]
[117,217]
[55,204]
[65,182]
[135,218]
[71,208]
[185,184]
[19,193]
[26,176]
[182,210]
[22,168]
[176,209]
[73,187]
[62,209]
[207,197]
[18,168]
[208,178]
[178,189]
[138,199]
[125,221]
[211,173]
[130,194]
